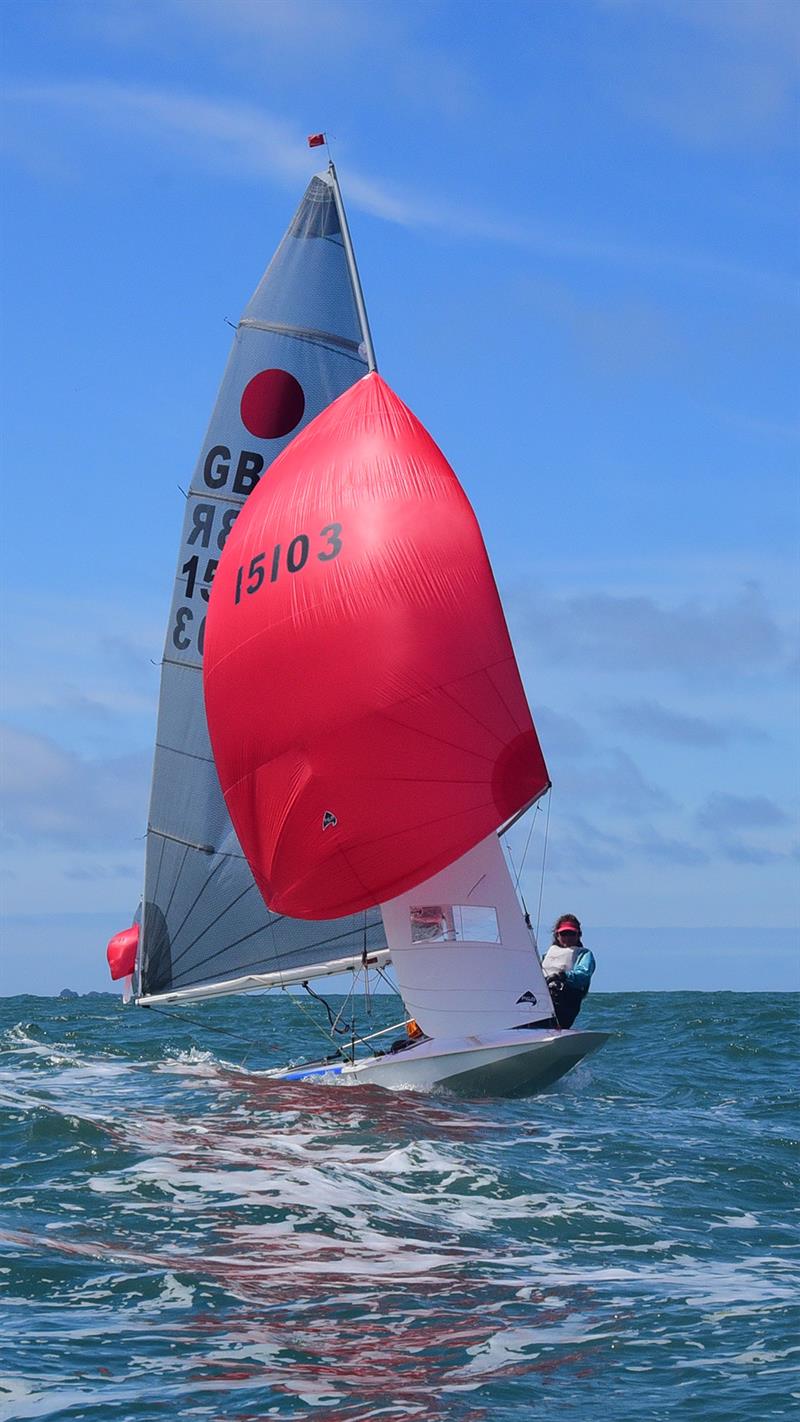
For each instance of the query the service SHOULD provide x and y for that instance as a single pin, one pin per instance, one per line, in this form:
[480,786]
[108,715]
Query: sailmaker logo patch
[329,819]
[527,997]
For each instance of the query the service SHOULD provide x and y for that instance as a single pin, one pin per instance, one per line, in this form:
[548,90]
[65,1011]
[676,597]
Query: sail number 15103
[268,567]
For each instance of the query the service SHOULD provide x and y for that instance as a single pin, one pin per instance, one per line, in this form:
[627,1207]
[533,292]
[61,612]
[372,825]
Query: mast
[358,293]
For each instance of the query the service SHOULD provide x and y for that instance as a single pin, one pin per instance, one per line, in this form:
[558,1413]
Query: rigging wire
[299,1005]
[518,873]
[525,851]
[346,1004]
[355,1035]
[204,1026]
[392,986]
[364,964]
[334,1021]
[544,861]
[348,1027]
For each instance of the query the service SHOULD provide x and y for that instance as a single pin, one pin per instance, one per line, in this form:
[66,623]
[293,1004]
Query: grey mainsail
[299,344]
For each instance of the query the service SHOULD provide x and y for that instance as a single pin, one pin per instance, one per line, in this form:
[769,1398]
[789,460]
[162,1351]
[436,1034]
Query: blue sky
[577,230]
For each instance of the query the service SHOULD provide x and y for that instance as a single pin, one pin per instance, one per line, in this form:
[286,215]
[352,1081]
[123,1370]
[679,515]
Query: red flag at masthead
[316,140]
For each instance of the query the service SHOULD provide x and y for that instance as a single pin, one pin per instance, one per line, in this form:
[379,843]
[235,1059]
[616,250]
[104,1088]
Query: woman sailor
[568,968]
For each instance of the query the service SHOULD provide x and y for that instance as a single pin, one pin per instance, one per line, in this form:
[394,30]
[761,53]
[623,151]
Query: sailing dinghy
[334,803]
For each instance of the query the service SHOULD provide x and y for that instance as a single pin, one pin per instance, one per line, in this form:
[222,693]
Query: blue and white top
[577,965]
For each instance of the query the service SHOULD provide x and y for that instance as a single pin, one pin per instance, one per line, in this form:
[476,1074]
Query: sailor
[568,968]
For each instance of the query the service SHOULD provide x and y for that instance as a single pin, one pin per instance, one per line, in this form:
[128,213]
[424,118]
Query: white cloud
[662,723]
[237,135]
[724,811]
[245,142]
[376,44]
[657,848]
[230,138]
[560,733]
[611,780]
[51,794]
[95,692]
[735,638]
[619,336]
[747,829]
[710,73]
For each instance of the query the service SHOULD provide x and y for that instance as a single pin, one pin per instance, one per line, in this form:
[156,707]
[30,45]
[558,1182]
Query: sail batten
[304,333]
[178,839]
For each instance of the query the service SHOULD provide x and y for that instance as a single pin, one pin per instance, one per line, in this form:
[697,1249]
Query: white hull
[514,1063]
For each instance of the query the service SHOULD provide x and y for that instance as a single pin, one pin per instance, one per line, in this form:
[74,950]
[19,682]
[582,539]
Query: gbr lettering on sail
[228,476]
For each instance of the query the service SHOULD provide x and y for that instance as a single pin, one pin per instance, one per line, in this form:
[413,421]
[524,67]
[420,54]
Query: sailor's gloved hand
[556,983]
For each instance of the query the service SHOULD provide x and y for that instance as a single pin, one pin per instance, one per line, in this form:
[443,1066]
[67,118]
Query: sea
[183,1237]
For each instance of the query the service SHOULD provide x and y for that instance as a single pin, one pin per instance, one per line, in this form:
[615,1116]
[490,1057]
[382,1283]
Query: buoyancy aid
[558,959]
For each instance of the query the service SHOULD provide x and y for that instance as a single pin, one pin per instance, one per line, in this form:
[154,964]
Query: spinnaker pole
[353,269]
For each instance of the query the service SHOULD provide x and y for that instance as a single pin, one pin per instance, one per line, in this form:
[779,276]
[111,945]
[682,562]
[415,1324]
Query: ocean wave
[226,1244]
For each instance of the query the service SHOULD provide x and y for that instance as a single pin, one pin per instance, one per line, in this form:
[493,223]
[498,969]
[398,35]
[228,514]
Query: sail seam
[439,819]
[227,947]
[467,712]
[457,680]
[195,902]
[320,943]
[489,670]
[440,740]
[213,924]
[177,881]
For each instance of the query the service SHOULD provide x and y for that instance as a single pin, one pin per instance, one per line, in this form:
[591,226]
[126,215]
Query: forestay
[298,346]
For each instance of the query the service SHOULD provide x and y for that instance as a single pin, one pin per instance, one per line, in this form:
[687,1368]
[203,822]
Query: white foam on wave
[174,1294]
[512,1344]
[187,1061]
[743,1220]
[22,1043]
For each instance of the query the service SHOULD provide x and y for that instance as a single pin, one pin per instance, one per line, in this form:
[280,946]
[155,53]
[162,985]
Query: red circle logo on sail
[272,404]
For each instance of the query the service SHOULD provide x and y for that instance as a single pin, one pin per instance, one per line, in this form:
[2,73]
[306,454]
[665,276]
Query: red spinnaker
[121,952]
[367,717]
